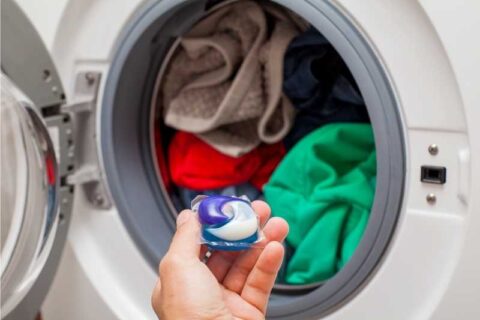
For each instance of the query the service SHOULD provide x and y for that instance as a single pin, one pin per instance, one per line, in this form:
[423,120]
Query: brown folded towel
[224,81]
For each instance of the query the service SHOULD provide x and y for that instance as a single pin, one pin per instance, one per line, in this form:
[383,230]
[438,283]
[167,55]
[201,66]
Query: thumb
[186,241]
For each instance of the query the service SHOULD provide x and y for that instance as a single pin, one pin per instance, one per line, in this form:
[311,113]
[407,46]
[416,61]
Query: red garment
[196,165]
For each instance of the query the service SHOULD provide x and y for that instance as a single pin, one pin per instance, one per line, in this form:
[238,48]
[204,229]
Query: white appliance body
[431,268]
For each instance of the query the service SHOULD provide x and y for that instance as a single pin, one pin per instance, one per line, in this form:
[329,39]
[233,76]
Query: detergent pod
[228,223]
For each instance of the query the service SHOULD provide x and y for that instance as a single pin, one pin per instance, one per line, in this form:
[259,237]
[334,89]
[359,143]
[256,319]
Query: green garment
[324,188]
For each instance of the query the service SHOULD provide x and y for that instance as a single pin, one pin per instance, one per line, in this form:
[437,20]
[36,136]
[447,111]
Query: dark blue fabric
[319,85]
[187,195]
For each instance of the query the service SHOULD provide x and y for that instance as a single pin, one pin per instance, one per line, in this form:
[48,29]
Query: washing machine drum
[134,143]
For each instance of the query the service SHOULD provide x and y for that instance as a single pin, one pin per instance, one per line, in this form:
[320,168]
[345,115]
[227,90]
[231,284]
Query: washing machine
[84,73]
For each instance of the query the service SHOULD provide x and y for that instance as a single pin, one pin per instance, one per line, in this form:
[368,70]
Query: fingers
[263,211]
[239,308]
[184,246]
[156,299]
[260,281]
[275,230]
[220,261]
[185,242]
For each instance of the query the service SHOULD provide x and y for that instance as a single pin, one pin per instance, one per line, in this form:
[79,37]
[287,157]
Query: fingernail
[182,218]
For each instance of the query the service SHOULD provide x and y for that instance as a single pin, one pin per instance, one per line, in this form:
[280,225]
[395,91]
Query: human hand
[230,285]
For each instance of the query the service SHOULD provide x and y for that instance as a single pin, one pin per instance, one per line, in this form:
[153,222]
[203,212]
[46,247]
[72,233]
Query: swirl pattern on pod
[227,219]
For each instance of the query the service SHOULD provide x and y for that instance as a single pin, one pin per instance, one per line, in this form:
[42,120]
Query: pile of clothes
[263,105]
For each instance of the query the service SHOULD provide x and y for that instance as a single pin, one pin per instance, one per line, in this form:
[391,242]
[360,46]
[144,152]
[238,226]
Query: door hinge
[88,173]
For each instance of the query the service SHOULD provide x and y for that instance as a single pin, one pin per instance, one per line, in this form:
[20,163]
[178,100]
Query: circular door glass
[28,195]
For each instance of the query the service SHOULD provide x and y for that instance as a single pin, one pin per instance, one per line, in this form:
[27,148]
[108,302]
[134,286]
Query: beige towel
[224,82]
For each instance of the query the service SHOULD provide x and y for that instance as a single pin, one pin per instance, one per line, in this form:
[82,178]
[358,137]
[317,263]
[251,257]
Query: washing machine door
[34,200]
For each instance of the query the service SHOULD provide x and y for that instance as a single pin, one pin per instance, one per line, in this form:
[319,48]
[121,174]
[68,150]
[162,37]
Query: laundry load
[244,189]
[319,85]
[224,80]
[324,188]
[196,165]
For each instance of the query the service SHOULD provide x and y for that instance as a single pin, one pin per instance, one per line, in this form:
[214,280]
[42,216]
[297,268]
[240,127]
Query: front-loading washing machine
[416,65]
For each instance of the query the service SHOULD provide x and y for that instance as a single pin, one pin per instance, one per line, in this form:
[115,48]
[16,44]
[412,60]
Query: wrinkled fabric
[310,120]
[324,188]
[224,81]
[319,85]
[244,189]
[196,165]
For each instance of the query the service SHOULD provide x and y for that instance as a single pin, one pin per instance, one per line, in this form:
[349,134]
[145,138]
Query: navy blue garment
[319,85]
[187,195]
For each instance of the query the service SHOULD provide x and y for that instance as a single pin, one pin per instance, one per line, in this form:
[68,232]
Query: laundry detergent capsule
[228,223]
